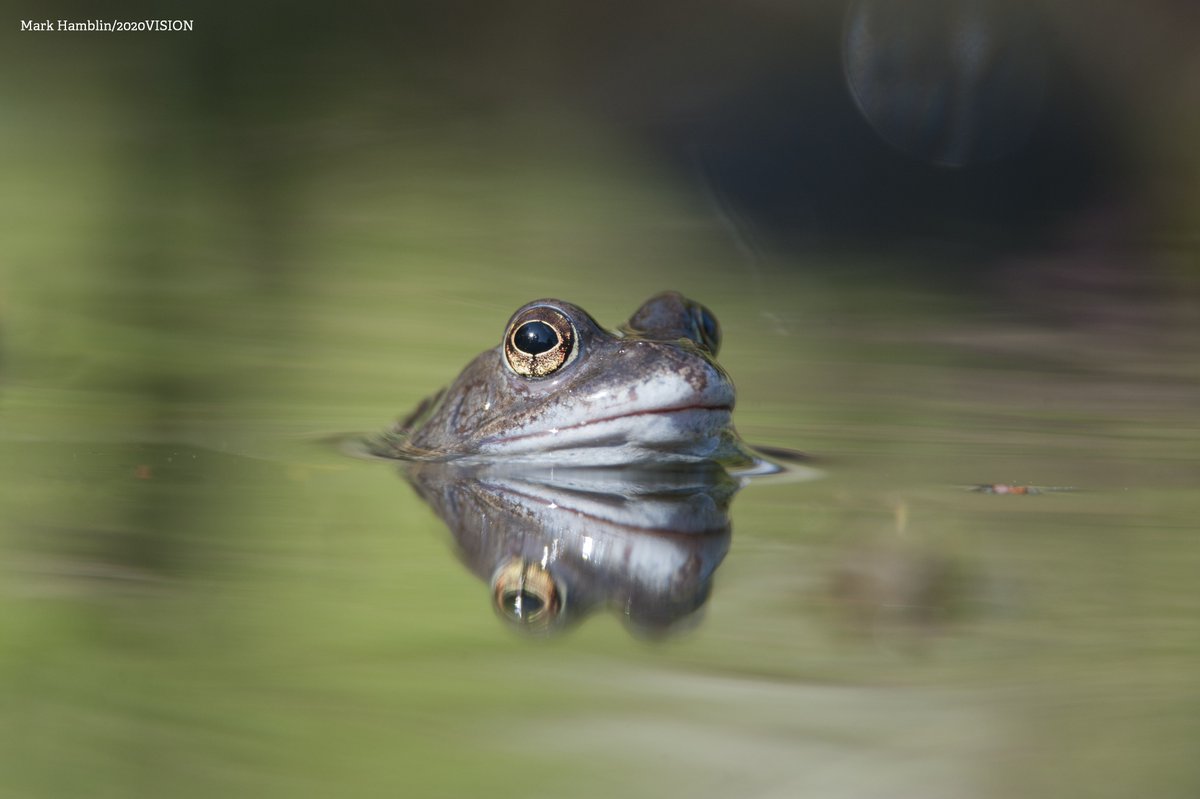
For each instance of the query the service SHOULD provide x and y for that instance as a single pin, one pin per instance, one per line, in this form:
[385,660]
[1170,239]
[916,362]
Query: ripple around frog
[758,461]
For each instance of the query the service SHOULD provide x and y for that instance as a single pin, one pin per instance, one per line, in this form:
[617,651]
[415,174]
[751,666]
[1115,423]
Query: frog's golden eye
[539,342]
[525,594]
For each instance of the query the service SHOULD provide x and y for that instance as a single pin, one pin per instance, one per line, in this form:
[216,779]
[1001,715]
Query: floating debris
[1008,488]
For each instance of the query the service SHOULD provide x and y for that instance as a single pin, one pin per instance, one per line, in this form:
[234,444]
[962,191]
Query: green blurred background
[223,248]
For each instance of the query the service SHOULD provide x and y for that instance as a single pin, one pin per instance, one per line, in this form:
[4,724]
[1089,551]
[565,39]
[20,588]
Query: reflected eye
[525,594]
[706,324]
[539,343]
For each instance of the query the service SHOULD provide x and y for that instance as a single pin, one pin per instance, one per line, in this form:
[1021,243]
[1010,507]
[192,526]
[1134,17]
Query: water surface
[200,596]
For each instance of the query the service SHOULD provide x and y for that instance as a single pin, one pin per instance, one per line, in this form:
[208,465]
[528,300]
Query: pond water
[201,594]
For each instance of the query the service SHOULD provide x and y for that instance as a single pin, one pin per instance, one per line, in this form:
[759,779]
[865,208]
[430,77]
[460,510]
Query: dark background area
[1077,106]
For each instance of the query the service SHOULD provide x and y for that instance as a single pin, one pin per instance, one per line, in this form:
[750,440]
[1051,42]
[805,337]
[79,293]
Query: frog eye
[525,594]
[707,326]
[539,342]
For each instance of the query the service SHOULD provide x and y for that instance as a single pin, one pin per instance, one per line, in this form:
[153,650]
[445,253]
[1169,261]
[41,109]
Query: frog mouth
[708,418]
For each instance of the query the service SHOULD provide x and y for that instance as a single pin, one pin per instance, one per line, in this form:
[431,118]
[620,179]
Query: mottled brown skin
[669,338]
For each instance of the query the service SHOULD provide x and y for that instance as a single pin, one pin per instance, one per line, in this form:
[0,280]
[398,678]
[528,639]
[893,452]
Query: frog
[561,389]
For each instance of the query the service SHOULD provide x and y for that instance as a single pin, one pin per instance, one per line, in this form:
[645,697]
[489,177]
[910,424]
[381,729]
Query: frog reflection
[558,545]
